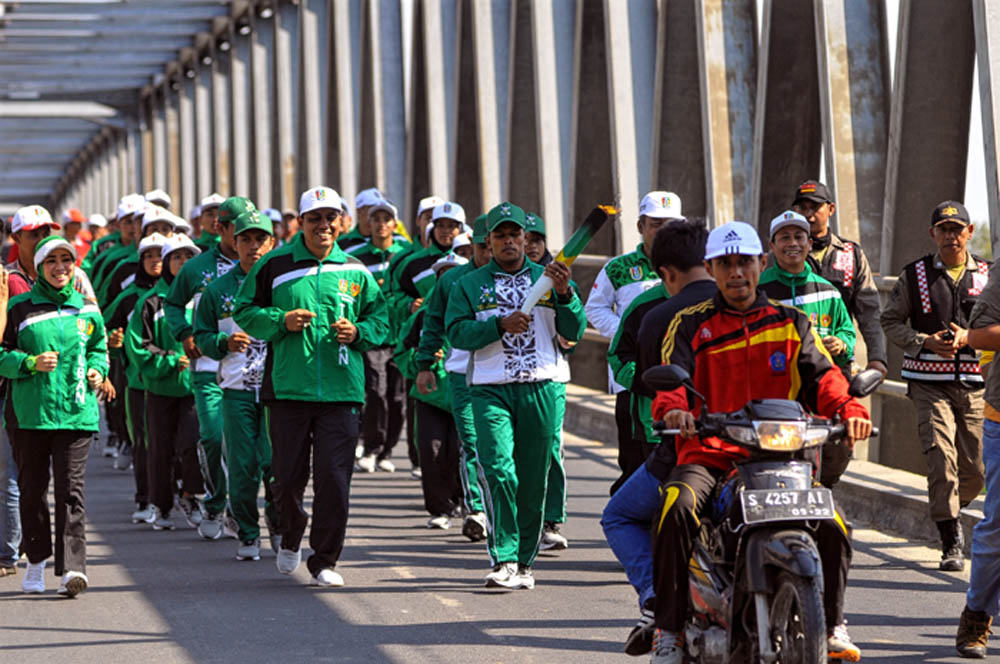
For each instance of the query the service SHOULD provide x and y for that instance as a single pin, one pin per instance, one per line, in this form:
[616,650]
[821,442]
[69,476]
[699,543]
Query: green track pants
[461,409]
[517,427]
[208,403]
[248,460]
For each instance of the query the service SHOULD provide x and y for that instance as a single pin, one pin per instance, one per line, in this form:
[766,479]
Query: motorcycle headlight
[741,434]
[781,436]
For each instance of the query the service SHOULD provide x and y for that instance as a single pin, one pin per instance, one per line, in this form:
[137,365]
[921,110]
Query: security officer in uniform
[844,264]
[928,317]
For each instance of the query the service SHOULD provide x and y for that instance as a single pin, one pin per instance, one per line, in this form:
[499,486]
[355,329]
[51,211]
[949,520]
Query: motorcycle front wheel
[798,625]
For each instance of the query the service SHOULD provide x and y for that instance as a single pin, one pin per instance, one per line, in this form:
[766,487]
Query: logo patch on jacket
[355,289]
[85,326]
[778,362]
[635,272]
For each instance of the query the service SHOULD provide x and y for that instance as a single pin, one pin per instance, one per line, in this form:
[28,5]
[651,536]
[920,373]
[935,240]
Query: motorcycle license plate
[786,504]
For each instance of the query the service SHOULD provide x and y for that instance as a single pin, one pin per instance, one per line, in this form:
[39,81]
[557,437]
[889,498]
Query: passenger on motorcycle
[740,346]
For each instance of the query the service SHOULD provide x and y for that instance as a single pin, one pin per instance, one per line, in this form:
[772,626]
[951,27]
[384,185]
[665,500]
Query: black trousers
[171,430]
[411,428]
[440,448]
[115,409]
[329,431]
[678,528]
[67,452]
[632,452]
[385,399]
[135,400]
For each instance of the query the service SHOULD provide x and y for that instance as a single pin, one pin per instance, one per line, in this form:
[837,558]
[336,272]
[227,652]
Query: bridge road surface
[412,594]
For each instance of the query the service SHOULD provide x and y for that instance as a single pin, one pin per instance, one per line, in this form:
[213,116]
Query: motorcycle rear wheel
[798,624]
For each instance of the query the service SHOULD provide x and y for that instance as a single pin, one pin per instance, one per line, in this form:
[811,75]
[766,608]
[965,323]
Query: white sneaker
[416,473]
[230,528]
[474,527]
[73,583]
[193,510]
[552,539]
[386,466]
[440,521]
[359,451]
[110,449]
[210,527]
[526,577]
[366,463]
[668,648]
[143,514]
[34,578]
[272,532]
[161,521]
[328,578]
[504,575]
[288,561]
[248,550]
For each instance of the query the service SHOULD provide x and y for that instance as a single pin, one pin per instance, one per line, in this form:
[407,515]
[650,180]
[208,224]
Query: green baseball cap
[504,212]
[534,223]
[253,220]
[479,229]
[233,207]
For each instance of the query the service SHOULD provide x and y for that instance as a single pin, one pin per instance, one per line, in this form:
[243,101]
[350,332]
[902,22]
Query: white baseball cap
[156,213]
[130,204]
[449,210]
[215,200]
[152,240]
[450,259]
[319,198]
[384,205]
[195,212]
[273,214]
[31,217]
[345,207]
[661,205]
[97,221]
[428,203]
[175,242]
[735,237]
[368,197]
[461,240]
[158,196]
[50,244]
[789,218]
[181,225]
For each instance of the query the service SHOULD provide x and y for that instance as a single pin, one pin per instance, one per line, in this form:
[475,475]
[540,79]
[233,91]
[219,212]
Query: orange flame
[609,210]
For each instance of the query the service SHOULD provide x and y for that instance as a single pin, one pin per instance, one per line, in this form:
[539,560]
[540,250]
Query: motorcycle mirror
[865,382]
[666,377]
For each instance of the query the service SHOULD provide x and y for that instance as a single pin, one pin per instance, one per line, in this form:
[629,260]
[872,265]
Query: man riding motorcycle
[739,346]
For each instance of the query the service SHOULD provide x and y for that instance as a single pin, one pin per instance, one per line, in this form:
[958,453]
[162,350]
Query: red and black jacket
[769,351]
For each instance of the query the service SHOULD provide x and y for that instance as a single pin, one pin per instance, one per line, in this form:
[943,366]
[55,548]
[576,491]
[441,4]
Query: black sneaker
[640,639]
[952,560]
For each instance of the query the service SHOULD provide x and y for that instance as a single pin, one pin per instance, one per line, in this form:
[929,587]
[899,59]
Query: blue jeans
[10,516]
[984,583]
[627,521]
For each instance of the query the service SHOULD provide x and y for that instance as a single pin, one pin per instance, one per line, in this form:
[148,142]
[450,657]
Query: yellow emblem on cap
[949,211]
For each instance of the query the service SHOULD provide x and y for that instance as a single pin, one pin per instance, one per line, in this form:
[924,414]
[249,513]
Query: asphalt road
[412,595]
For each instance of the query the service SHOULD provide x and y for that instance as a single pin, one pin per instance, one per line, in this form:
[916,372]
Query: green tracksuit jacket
[432,337]
[151,347]
[118,314]
[116,277]
[187,288]
[377,260]
[623,351]
[59,399]
[817,297]
[312,365]
[404,355]
[107,262]
[99,249]
[409,279]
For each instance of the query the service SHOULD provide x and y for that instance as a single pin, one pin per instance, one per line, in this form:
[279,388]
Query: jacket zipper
[59,385]
[319,351]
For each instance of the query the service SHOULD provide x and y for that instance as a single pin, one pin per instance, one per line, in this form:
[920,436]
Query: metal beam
[204,133]
[928,143]
[727,61]
[262,79]
[222,123]
[240,105]
[286,90]
[314,18]
[987,24]
[854,94]
[188,159]
[341,161]
[490,37]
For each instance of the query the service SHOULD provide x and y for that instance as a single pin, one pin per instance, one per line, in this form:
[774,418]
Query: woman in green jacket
[55,353]
[171,420]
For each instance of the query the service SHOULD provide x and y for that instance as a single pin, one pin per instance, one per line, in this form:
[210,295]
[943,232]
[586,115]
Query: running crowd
[240,349]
